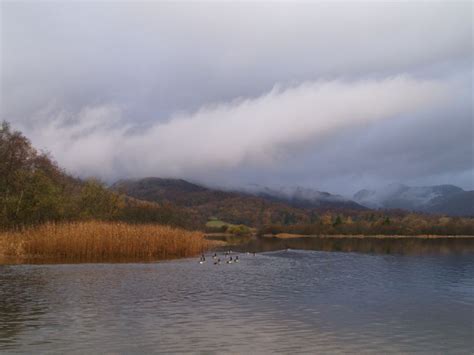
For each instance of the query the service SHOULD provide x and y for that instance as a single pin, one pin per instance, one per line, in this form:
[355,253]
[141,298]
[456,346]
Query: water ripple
[279,302]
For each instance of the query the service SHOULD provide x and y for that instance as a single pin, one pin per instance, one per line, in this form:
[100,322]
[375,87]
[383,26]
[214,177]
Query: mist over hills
[439,199]
[203,202]
[303,197]
[184,193]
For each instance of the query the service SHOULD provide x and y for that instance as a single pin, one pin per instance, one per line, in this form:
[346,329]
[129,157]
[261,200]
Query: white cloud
[98,140]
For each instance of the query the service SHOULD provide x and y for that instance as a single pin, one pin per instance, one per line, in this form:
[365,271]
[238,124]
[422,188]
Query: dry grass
[100,241]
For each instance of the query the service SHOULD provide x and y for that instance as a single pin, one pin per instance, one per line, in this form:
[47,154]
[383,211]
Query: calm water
[289,302]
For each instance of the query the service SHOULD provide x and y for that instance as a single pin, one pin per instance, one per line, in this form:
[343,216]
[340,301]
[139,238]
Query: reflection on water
[295,301]
[387,245]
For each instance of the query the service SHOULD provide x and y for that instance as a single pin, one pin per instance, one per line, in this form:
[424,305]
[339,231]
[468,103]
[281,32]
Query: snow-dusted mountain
[302,197]
[445,199]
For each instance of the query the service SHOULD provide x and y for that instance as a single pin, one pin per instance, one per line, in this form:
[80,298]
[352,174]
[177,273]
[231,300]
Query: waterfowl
[237,259]
[230,261]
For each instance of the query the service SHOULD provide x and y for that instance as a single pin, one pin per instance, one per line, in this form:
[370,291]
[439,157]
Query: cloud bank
[255,131]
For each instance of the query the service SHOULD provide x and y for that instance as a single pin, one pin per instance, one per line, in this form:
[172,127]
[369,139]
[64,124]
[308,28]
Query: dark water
[387,245]
[289,302]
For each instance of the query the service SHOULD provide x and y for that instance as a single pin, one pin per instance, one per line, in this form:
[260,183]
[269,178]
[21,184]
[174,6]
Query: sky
[335,96]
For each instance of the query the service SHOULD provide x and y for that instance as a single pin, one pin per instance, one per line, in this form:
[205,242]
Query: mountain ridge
[183,192]
[304,197]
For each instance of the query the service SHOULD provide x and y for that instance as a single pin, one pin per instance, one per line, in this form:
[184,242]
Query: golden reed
[100,241]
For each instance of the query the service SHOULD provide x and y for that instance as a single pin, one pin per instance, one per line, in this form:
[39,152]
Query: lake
[285,301]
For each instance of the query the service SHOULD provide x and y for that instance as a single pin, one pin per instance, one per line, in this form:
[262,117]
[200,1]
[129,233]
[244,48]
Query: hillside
[204,203]
[176,191]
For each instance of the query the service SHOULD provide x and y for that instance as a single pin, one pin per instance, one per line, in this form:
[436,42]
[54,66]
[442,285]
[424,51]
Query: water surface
[289,302]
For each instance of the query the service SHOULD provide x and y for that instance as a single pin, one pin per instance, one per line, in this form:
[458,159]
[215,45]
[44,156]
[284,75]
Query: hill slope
[251,208]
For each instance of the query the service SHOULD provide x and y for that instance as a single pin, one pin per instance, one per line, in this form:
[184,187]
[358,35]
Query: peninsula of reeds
[96,241]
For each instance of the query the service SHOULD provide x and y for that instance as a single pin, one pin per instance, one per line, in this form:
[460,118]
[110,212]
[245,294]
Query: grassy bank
[99,242]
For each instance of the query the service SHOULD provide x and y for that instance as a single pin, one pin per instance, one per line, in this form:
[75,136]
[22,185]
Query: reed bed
[100,242]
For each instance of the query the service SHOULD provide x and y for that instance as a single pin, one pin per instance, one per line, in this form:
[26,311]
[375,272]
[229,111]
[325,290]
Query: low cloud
[256,132]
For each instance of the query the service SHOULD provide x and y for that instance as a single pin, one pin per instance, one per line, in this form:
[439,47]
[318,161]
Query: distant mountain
[442,199]
[304,197]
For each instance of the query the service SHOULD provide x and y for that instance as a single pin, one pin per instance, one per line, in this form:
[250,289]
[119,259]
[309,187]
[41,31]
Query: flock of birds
[228,259]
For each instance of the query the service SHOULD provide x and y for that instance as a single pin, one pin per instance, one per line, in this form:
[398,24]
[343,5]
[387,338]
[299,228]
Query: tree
[96,202]
[29,181]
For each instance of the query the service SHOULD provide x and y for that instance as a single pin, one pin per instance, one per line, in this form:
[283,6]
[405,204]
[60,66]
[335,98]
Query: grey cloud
[122,89]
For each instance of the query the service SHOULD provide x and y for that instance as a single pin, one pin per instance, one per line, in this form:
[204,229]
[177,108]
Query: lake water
[288,301]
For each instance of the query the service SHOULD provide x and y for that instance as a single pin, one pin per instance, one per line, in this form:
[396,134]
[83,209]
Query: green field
[216,223]
[236,229]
